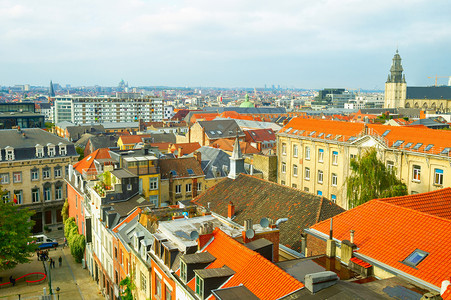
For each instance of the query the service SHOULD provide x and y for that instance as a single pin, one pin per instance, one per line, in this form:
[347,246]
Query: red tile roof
[130,217]
[235,115]
[260,135]
[437,203]
[87,163]
[227,145]
[203,117]
[259,275]
[187,148]
[440,139]
[133,139]
[389,233]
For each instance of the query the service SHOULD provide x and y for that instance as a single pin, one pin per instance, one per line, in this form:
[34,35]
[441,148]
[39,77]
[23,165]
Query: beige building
[33,164]
[314,155]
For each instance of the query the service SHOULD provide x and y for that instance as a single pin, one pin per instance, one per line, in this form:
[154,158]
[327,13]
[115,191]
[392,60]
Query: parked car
[44,242]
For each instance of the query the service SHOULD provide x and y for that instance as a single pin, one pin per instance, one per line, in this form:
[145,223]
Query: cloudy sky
[231,43]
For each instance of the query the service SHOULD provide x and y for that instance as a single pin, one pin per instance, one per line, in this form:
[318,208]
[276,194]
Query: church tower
[395,87]
[236,161]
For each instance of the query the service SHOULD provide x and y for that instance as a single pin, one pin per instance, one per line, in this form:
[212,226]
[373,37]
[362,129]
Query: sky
[233,43]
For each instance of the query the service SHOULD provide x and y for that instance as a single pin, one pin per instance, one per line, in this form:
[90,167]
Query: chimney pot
[352,236]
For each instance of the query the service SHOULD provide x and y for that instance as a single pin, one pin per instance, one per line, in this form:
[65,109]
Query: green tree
[80,152]
[129,286]
[65,211]
[370,179]
[75,240]
[15,231]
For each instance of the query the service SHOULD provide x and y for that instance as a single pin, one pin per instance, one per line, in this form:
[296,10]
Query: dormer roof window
[9,153]
[39,151]
[50,150]
[62,148]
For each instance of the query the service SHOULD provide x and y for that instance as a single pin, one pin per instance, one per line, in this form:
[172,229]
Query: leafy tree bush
[370,179]
[15,231]
[80,152]
[75,240]
[65,211]
[129,286]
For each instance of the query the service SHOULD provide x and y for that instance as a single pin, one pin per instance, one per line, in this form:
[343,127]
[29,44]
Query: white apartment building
[87,110]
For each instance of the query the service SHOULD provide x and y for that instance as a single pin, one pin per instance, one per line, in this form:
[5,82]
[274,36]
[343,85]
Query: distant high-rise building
[395,87]
[51,90]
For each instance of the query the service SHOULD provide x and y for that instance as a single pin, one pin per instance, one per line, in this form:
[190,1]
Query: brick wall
[267,164]
[315,246]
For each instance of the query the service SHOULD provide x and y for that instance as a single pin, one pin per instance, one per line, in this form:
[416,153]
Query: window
[35,195]
[416,173]
[333,198]
[390,166]
[295,150]
[334,179]
[188,187]
[306,189]
[167,293]
[63,149]
[294,185]
[438,176]
[398,143]
[18,195]
[199,186]
[284,167]
[4,178]
[320,155]
[51,150]
[143,282]
[183,274]
[307,173]
[39,151]
[153,183]
[57,172]
[352,156]
[319,193]
[47,193]
[417,146]
[178,188]
[17,177]
[415,258]
[295,170]
[307,152]
[154,200]
[428,147]
[9,153]
[282,182]
[320,176]
[58,192]
[200,287]
[335,157]
[157,286]
[129,187]
[46,173]
[5,197]
[284,149]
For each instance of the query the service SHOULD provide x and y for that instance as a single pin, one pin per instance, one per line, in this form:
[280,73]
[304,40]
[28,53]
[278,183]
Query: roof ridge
[411,209]
[443,190]
[319,210]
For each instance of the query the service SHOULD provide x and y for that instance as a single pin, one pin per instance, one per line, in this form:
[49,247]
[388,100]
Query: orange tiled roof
[133,139]
[161,146]
[447,294]
[440,139]
[271,281]
[437,203]
[87,163]
[187,148]
[203,117]
[235,115]
[389,233]
[227,145]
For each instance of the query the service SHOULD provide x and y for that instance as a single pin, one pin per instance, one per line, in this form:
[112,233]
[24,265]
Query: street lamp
[58,292]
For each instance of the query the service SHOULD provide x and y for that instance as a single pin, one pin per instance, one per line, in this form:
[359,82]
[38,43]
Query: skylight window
[445,151]
[398,143]
[269,131]
[190,171]
[312,133]
[294,132]
[174,173]
[408,145]
[288,130]
[417,146]
[329,135]
[321,134]
[352,138]
[253,133]
[301,132]
[212,132]
[386,132]
[428,147]
[338,137]
[219,131]
[415,258]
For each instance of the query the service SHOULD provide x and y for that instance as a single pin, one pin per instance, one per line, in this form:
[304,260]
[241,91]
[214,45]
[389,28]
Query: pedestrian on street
[53,263]
[50,262]
[12,280]
[60,260]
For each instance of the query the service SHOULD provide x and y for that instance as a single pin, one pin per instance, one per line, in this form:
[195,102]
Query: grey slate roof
[213,157]
[24,143]
[104,141]
[64,124]
[429,92]
[219,129]
[76,132]
[429,123]
[249,110]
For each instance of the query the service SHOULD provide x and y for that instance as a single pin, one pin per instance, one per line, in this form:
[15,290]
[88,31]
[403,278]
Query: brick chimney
[231,210]
[180,152]
[198,156]
[205,234]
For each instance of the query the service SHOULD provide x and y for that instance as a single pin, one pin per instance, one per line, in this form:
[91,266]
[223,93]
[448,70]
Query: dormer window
[39,151]
[51,150]
[9,153]
[62,148]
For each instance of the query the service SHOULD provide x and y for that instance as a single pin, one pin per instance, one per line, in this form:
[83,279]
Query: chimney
[330,244]
[231,210]
[205,234]
[352,236]
[180,152]
[248,224]
[198,156]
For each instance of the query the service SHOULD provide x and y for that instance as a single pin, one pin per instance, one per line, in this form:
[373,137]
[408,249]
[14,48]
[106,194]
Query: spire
[396,69]
[236,160]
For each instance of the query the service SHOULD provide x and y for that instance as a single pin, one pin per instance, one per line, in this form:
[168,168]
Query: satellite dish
[250,233]
[194,235]
[264,222]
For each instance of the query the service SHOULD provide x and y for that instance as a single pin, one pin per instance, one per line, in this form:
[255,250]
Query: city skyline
[306,44]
